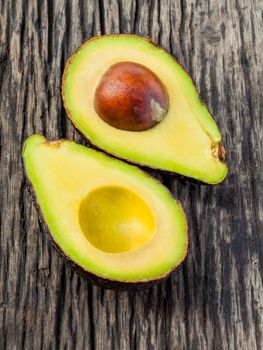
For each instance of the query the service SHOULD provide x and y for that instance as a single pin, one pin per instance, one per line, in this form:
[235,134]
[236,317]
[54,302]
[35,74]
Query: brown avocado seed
[131,97]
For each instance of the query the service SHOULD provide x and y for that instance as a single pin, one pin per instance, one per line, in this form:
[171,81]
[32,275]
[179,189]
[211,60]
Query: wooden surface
[214,300]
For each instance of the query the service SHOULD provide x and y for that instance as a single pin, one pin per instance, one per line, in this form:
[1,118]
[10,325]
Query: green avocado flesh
[186,141]
[110,218]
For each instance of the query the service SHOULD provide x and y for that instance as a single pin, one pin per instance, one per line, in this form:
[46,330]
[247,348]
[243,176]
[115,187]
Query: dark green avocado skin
[89,277]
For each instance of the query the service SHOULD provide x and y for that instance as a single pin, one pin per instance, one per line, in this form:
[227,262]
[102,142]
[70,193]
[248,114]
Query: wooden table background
[214,300]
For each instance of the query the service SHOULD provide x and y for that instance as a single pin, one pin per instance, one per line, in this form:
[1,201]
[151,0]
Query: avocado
[132,99]
[116,224]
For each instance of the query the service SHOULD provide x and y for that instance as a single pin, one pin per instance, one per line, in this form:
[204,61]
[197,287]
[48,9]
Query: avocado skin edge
[146,168]
[90,277]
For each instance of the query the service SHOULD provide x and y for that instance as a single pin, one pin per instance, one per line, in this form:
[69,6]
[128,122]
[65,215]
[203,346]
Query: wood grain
[215,300]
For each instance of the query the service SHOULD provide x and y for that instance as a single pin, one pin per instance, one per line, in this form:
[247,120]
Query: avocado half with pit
[116,225]
[133,100]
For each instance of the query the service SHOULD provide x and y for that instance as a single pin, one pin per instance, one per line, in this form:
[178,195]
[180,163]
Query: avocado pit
[131,97]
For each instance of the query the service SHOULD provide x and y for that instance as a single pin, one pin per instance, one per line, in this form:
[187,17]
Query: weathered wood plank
[215,300]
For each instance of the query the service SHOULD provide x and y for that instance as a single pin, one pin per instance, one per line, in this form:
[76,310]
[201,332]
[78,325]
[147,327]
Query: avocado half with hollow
[116,223]
[133,100]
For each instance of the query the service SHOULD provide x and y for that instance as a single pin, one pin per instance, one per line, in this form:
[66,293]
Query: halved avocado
[116,223]
[168,127]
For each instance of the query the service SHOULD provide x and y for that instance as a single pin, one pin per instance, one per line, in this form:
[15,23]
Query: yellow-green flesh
[107,216]
[181,143]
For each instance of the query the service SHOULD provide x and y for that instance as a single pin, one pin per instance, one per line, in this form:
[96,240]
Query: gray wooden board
[214,300]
